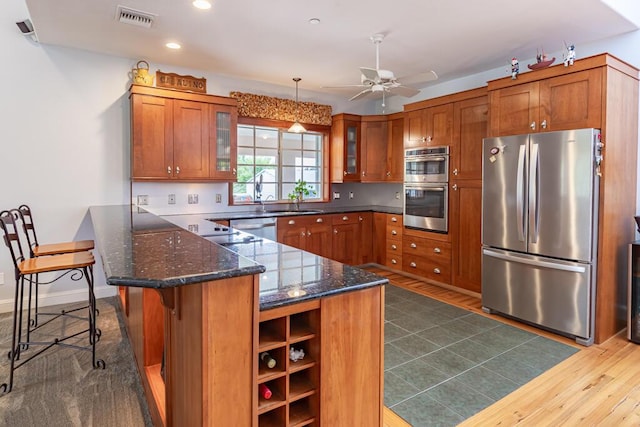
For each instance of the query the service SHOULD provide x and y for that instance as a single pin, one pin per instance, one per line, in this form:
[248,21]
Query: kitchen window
[277,159]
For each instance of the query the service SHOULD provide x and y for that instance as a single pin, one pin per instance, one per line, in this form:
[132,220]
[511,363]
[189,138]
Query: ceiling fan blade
[343,86]
[404,91]
[360,95]
[419,78]
[370,74]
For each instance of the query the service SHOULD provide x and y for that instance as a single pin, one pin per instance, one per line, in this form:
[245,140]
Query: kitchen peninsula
[199,315]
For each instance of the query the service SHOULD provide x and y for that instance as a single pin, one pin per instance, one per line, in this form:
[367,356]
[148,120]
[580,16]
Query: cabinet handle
[413,245]
[455,171]
[303,233]
[292,221]
[394,247]
[394,232]
[436,270]
[169,170]
[544,124]
[177,169]
[412,264]
[393,261]
[335,231]
[455,187]
[345,173]
[429,138]
[360,218]
[533,125]
[437,250]
[388,173]
[394,219]
[308,233]
[363,173]
[233,171]
[319,220]
[345,218]
[423,139]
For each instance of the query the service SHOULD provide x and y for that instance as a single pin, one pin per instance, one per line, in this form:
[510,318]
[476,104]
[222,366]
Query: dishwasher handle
[253,226]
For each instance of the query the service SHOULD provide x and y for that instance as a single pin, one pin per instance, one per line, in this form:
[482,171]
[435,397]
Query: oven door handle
[424,188]
[427,158]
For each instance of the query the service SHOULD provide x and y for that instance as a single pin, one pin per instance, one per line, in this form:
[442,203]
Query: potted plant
[301,190]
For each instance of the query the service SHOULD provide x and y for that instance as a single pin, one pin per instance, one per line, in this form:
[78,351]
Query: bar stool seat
[77,265]
[63,248]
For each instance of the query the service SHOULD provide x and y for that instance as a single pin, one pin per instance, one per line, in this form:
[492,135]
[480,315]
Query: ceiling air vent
[127,15]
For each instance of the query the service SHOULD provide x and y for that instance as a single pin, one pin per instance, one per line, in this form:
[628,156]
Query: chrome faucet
[264,200]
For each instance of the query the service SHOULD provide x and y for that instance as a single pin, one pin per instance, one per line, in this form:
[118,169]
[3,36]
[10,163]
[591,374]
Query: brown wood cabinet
[430,126]
[570,101]
[365,232]
[310,233]
[601,92]
[426,257]
[393,241]
[182,136]
[345,148]
[374,146]
[345,241]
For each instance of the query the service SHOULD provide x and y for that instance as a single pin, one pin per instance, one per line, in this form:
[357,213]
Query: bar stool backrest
[11,237]
[29,229]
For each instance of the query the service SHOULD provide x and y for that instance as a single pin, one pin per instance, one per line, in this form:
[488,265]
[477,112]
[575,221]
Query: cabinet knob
[303,233]
[345,218]
[394,219]
[455,171]
[544,124]
[394,232]
[436,270]
[393,261]
[413,245]
[335,231]
[319,220]
[394,247]
[455,187]
[437,250]
[345,173]
[308,233]
[169,170]
[233,171]
[177,169]
[363,173]
[292,222]
[388,173]
[533,125]
[412,264]
[429,138]
[360,219]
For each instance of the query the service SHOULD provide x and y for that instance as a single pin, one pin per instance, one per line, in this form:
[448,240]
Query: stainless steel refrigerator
[539,229]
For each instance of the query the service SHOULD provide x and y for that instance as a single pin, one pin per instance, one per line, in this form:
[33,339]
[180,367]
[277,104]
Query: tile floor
[443,363]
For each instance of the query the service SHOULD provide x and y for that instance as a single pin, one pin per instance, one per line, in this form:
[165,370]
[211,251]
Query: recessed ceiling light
[173,45]
[314,21]
[201,4]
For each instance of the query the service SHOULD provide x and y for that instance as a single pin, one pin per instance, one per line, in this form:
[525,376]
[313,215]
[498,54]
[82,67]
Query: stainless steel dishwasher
[260,227]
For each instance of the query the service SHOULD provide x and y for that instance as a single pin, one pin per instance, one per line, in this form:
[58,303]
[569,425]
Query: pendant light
[296,127]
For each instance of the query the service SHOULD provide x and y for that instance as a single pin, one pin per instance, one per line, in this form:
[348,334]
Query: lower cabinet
[466,229]
[309,233]
[393,244]
[345,241]
[426,257]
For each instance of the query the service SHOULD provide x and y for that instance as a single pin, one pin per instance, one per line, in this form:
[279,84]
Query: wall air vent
[127,15]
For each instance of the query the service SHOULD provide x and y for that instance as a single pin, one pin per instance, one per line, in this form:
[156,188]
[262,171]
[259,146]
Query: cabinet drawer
[394,232]
[394,260]
[394,220]
[394,247]
[430,249]
[427,268]
[346,218]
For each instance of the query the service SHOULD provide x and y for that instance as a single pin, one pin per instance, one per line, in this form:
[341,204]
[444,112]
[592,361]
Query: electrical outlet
[336,195]
[1,278]
[193,228]
[351,194]
[143,200]
[172,199]
[192,199]
[397,195]
[218,198]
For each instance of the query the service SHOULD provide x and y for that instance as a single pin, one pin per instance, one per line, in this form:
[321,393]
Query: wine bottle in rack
[268,360]
[265,391]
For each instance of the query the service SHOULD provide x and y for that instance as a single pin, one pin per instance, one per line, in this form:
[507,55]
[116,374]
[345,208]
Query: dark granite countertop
[141,249]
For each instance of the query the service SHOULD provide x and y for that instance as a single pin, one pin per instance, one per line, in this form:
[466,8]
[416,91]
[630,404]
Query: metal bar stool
[77,265]
[35,250]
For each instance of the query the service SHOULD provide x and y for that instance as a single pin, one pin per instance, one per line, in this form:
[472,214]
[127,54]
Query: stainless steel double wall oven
[426,188]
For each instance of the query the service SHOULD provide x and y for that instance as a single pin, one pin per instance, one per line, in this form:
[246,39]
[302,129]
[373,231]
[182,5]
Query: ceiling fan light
[297,128]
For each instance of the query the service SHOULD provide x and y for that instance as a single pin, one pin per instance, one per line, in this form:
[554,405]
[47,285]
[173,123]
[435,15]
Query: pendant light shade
[296,127]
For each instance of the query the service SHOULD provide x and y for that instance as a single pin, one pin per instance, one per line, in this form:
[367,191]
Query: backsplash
[158,197]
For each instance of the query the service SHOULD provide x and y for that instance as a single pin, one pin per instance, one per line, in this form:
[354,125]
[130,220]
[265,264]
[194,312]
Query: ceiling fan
[377,80]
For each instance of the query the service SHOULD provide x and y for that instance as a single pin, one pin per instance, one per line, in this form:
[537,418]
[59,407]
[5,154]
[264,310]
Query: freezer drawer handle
[552,265]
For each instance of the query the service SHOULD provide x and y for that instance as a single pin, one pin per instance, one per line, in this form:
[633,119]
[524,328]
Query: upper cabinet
[428,127]
[470,127]
[345,148]
[569,101]
[182,136]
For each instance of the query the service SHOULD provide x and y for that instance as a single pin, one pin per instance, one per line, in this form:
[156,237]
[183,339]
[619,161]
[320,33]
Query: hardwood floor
[599,385]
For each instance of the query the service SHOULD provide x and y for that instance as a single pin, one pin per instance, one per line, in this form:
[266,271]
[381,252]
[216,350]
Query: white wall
[64,132]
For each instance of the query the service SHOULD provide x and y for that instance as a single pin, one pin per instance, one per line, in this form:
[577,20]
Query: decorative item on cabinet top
[140,75]
[267,107]
[179,82]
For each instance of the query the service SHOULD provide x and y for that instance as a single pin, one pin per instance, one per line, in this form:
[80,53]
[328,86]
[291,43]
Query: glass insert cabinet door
[224,142]
[351,150]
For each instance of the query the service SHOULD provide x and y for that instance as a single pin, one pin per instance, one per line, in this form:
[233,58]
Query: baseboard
[65,297]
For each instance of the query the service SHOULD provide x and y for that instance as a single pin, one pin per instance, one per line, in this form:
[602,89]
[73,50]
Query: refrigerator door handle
[520,180]
[534,188]
[535,263]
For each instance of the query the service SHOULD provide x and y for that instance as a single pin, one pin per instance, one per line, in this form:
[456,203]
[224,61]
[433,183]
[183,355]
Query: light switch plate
[143,200]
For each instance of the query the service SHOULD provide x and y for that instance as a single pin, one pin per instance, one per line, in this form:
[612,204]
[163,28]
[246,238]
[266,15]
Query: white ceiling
[271,40]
